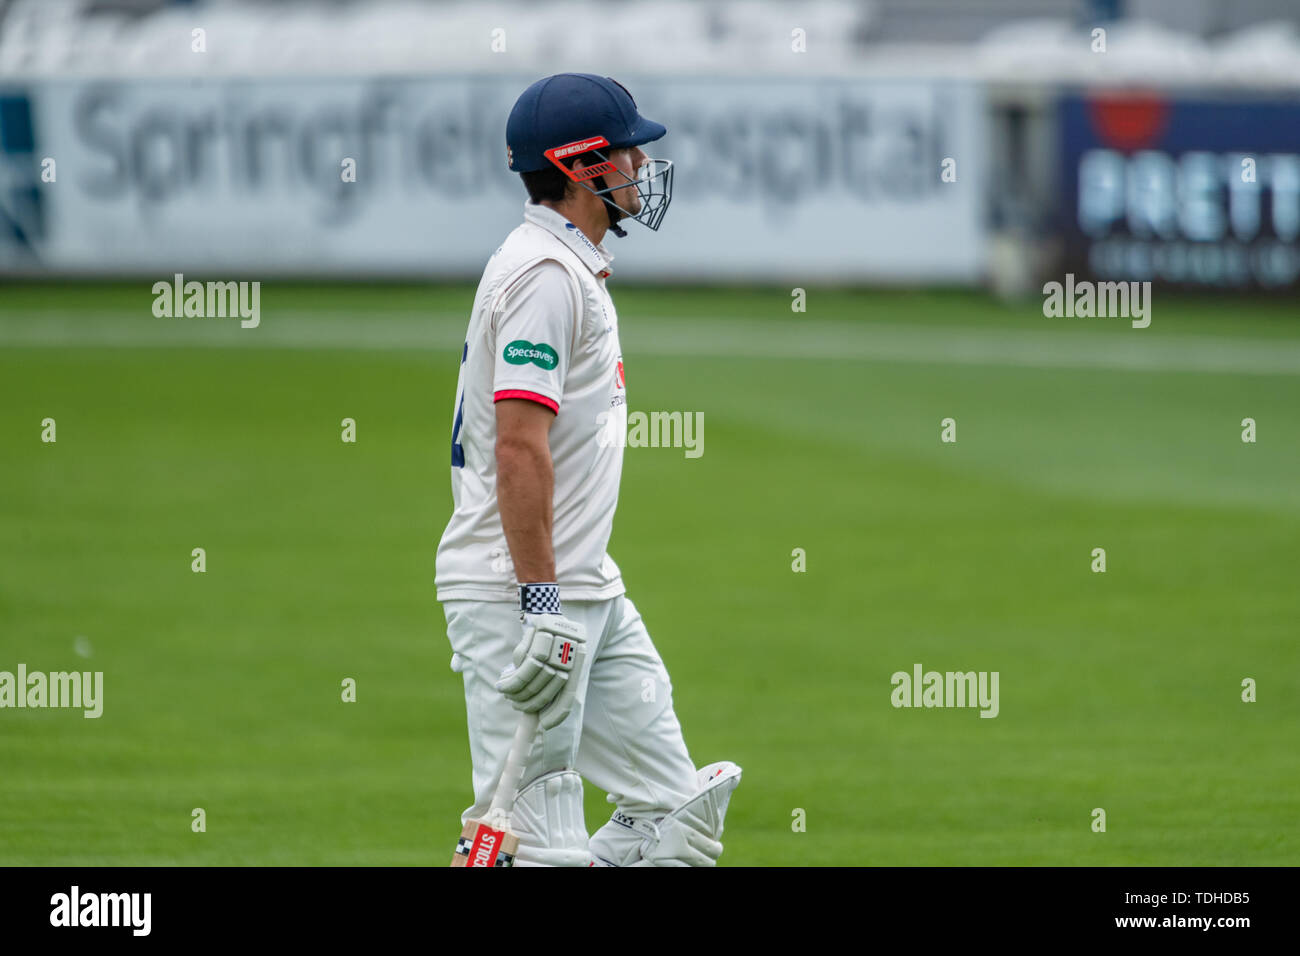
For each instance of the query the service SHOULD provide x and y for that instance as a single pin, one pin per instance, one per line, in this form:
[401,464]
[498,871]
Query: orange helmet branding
[557,153]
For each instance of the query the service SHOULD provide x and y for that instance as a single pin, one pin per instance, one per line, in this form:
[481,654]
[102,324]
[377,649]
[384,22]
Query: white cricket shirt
[543,329]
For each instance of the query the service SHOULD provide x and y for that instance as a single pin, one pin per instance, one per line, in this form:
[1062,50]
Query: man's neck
[593,221]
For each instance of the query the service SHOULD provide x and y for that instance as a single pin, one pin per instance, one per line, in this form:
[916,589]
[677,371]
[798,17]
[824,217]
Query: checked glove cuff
[539,598]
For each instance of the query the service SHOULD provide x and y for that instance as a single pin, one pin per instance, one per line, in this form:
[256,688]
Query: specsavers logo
[521,352]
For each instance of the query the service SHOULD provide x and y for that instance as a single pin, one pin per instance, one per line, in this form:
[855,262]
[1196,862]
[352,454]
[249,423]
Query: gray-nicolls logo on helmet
[572,115]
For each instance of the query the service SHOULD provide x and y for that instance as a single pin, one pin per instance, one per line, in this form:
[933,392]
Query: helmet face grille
[654,184]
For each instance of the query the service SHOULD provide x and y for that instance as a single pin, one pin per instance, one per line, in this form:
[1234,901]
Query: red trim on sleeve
[531,396]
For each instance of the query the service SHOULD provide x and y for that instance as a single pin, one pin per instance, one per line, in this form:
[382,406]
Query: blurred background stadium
[140,139]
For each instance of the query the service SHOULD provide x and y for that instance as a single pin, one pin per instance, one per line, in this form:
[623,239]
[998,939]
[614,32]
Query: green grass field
[1119,690]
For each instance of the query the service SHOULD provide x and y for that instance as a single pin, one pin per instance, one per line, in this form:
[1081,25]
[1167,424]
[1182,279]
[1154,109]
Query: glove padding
[680,845]
[547,663]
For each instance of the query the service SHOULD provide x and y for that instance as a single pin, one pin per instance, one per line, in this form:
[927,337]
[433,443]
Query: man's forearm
[525,488]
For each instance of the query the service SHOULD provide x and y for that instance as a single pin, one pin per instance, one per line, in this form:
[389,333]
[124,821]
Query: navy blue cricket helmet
[570,114]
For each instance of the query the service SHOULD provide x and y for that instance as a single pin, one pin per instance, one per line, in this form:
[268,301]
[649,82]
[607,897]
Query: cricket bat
[488,842]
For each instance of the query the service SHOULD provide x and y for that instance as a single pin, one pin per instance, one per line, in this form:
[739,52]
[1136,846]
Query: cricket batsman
[537,614]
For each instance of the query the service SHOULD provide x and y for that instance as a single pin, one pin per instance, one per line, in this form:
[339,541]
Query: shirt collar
[595,257]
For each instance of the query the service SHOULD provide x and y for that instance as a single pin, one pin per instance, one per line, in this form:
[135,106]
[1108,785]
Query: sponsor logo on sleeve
[521,352]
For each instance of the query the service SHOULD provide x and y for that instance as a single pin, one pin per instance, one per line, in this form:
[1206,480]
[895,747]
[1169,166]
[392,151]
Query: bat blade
[482,844]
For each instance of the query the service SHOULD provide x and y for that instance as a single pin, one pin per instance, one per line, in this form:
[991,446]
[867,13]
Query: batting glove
[548,659]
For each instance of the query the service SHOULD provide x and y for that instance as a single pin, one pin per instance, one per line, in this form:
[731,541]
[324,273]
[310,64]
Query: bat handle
[503,800]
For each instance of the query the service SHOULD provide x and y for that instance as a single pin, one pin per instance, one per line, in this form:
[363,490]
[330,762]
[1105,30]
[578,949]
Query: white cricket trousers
[622,735]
